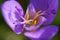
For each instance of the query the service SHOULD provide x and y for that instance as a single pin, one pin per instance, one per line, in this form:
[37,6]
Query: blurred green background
[7,34]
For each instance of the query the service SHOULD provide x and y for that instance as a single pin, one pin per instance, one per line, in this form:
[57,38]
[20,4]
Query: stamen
[25,21]
[21,22]
[28,22]
[36,15]
[27,15]
[23,18]
[34,23]
[42,13]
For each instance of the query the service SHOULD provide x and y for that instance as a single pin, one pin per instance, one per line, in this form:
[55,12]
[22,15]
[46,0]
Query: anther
[27,15]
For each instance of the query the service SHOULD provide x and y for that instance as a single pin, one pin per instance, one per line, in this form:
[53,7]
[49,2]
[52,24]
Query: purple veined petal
[19,28]
[40,4]
[51,11]
[44,5]
[41,20]
[46,32]
[9,8]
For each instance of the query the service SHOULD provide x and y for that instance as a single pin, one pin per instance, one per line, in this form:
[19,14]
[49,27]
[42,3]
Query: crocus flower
[36,20]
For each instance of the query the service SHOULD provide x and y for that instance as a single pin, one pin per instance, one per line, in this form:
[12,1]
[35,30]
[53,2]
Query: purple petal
[51,11]
[50,32]
[18,28]
[41,20]
[46,32]
[34,34]
[30,28]
[40,4]
[40,39]
[50,17]
[10,11]
[44,5]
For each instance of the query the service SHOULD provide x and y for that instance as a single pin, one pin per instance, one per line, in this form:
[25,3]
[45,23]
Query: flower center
[27,20]
[34,20]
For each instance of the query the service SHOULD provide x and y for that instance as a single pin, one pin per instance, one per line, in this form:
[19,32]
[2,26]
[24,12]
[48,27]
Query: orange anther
[27,15]
[36,15]
[34,23]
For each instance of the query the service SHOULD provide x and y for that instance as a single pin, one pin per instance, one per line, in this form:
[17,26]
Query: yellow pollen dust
[34,20]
